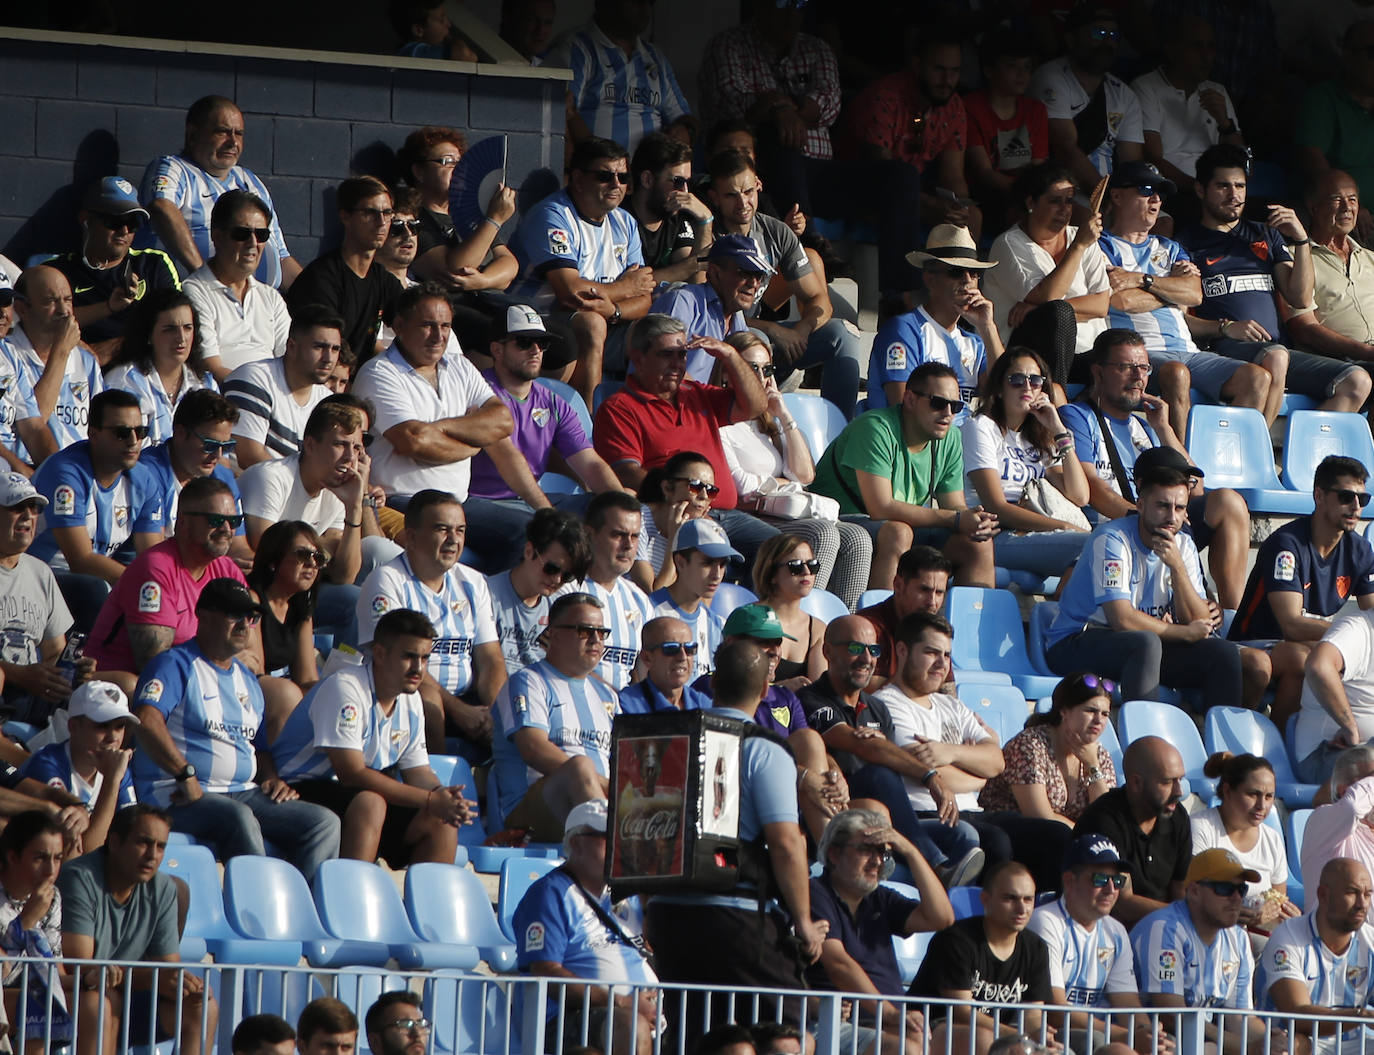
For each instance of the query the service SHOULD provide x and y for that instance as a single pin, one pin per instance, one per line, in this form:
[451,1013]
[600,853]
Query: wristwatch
[1146,281]
[616,316]
[187,772]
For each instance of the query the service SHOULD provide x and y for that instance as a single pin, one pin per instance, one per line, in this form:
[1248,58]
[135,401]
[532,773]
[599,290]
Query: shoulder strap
[1123,481]
[839,477]
[640,945]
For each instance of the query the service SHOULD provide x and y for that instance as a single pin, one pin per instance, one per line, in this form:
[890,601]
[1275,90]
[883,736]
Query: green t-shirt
[872,442]
[1341,129]
[145,928]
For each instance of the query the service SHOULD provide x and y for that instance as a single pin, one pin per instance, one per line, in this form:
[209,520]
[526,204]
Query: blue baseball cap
[705,534]
[113,195]
[741,249]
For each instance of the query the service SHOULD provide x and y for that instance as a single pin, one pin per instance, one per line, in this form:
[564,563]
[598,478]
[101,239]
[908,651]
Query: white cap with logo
[101,702]
[16,489]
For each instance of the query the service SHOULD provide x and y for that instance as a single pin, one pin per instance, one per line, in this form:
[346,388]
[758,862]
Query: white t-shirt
[268,412]
[946,720]
[1353,636]
[1056,85]
[238,332]
[1268,858]
[1009,454]
[1185,128]
[1021,264]
[273,491]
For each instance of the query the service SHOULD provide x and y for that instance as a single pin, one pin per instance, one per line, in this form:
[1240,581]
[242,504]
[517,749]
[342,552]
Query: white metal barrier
[472,1014]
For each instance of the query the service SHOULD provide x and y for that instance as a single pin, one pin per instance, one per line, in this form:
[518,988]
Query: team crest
[458,606]
[78,389]
[781,715]
[559,242]
[1355,976]
[121,515]
[1343,586]
[151,691]
[1228,968]
[631,615]
[534,937]
[1104,954]
[1260,249]
[540,416]
[619,251]
[521,705]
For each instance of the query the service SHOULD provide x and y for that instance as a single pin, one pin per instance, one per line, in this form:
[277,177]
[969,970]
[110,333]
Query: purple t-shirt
[544,421]
[781,711]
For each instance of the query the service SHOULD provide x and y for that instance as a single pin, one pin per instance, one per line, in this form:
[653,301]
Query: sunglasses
[607,176]
[1116,879]
[215,447]
[763,371]
[1105,685]
[1346,496]
[564,575]
[796,567]
[373,215]
[1100,33]
[217,520]
[672,648]
[585,631]
[130,221]
[247,619]
[408,1025]
[871,849]
[123,433]
[1224,888]
[940,403]
[1148,190]
[397,226]
[242,234]
[1132,368]
[306,555]
[679,182]
[698,486]
[368,437]
[858,648]
[1019,380]
[445,160]
[526,343]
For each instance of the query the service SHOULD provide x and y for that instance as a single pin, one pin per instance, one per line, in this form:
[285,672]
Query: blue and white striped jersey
[626,609]
[52,765]
[157,406]
[342,711]
[574,712]
[80,383]
[212,715]
[460,611]
[268,412]
[1162,328]
[553,235]
[518,626]
[1295,950]
[194,192]
[1086,964]
[131,505]
[707,628]
[16,399]
[914,339]
[1171,958]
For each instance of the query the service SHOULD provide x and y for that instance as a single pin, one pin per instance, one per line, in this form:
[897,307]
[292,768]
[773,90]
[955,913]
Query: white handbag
[788,500]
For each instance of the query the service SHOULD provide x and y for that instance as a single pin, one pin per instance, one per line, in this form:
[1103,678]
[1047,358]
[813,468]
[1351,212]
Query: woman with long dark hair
[285,577]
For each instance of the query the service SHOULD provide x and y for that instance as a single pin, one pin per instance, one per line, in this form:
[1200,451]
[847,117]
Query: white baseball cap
[101,702]
[16,488]
[587,816]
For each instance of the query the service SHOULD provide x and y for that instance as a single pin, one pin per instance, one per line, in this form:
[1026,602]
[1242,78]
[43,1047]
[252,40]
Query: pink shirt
[1338,830]
[155,590]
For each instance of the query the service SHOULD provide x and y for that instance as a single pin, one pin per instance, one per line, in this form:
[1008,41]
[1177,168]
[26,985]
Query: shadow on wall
[53,227]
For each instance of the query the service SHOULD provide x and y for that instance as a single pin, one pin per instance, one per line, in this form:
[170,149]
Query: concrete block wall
[76,110]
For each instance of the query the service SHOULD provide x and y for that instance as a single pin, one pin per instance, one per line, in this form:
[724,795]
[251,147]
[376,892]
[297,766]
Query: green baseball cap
[757,621]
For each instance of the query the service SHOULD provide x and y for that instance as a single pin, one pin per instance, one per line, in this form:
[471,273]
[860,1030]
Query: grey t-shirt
[781,248]
[144,928]
[31,610]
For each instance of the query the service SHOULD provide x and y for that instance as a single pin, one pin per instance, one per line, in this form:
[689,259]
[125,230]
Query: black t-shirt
[364,302]
[89,286]
[1155,860]
[960,958]
[672,234]
[825,710]
[437,228]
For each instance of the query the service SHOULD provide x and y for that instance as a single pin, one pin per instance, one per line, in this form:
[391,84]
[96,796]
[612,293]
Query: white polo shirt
[1185,128]
[238,332]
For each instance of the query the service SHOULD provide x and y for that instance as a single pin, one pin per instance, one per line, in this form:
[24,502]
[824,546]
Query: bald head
[1341,870]
[849,628]
[850,670]
[664,628]
[1148,755]
[1343,896]
[1334,202]
[1154,777]
[43,302]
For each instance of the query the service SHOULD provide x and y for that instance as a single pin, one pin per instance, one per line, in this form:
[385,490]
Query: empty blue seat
[1313,434]
[471,1015]
[988,636]
[358,902]
[573,397]
[1232,446]
[1297,824]
[207,929]
[730,596]
[517,876]
[1150,718]
[602,391]
[1026,582]
[449,904]
[1001,706]
[1242,731]
[966,901]
[869,598]
[819,420]
[824,605]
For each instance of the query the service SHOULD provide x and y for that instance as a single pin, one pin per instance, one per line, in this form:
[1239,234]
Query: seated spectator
[152,607]
[241,319]
[1094,115]
[61,373]
[1052,291]
[434,411]
[931,332]
[1143,820]
[357,747]
[1336,710]
[466,669]
[402,243]
[20,424]
[275,396]
[31,926]
[1151,280]
[990,960]
[856,852]
[556,552]
[838,706]
[919,584]
[888,464]
[118,905]
[426,33]
[1109,436]
[326,1026]
[349,281]
[786,573]
[1138,611]
[1304,574]
[661,412]
[1055,767]
[1340,320]
[1340,828]
[180,191]
[581,263]
[285,580]
[1007,129]
[678,491]
[669,653]
[557,937]
[770,453]
[1015,440]
[395,1023]
[93,762]
[200,711]
[160,359]
[264,1034]
[701,551]
[735,273]
[816,338]
[613,524]
[527,26]
[1245,785]
[110,275]
[552,735]
[102,505]
[674,224]
[1327,132]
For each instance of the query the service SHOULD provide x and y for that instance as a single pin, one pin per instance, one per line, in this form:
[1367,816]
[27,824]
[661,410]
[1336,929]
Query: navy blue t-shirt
[1288,562]
[866,935]
[1238,271]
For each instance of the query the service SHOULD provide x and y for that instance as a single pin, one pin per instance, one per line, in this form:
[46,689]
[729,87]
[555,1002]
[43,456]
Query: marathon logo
[230,730]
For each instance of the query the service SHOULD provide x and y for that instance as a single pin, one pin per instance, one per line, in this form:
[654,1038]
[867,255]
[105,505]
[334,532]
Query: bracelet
[350,523]
[789,425]
[1302,241]
[706,221]
[488,219]
[928,777]
[1221,330]
[1065,435]
[957,515]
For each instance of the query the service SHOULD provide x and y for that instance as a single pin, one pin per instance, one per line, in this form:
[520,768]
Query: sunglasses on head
[796,567]
[1345,496]
[858,648]
[397,226]
[215,447]
[243,234]
[698,486]
[940,403]
[1020,380]
[129,221]
[1116,879]
[672,648]
[607,176]
[1105,685]
[123,433]
[217,520]
[306,555]
[550,568]
[1226,888]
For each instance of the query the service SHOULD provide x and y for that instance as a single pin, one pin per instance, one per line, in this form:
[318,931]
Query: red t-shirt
[885,114]
[633,425]
[1020,140]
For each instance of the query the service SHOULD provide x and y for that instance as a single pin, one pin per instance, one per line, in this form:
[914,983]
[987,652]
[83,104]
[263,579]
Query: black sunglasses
[672,648]
[585,630]
[939,403]
[216,520]
[606,176]
[1225,888]
[1020,380]
[129,221]
[796,567]
[1116,879]
[564,575]
[242,234]
[679,182]
[397,226]
[123,433]
[526,343]
[306,555]
[857,648]
[1345,496]
[698,486]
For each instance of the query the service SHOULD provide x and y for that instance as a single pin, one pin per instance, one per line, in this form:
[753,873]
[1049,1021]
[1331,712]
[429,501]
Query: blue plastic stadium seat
[1297,824]
[449,904]
[1026,582]
[1313,434]
[819,420]
[869,598]
[558,484]
[1241,731]
[1233,447]
[966,901]
[207,929]
[988,636]
[824,605]
[602,391]
[358,902]
[1140,718]
[471,1015]
[1295,403]
[453,769]
[517,876]
[1001,706]
[573,397]
[730,596]
[1041,616]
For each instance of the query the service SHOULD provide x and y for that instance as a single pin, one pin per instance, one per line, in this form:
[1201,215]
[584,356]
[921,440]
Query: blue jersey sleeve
[546,240]
[127,796]
[772,783]
[1111,558]
[541,931]
[68,491]
[148,515]
[48,766]
[163,682]
[896,352]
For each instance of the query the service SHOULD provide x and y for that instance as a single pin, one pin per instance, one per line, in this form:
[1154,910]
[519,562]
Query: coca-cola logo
[661,824]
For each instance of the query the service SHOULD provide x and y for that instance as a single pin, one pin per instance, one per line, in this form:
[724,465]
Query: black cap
[1163,458]
[1141,174]
[228,596]
[1088,12]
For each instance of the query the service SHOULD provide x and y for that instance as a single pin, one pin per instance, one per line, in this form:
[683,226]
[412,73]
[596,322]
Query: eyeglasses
[1225,888]
[409,1025]
[940,403]
[858,648]
[397,226]
[242,234]
[129,221]
[871,849]
[564,575]
[607,176]
[1101,33]
[698,486]
[767,370]
[1092,681]
[1019,380]
[374,214]
[796,567]
[306,555]
[672,648]
[585,631]
[124,433]
[679,182]
[215,447]
[526,343]
[1101,879]
[1346,496]
[216,520]
[444,160]
[1132,368]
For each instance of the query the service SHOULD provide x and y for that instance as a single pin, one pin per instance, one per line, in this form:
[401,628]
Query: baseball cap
[741,249]
[101,702]
[1219,866]
[228,596]
[758,621]
[705,534]
[6,287]
[1091,850]
[521,321]
[589,816]
[1148,461]
[114,195]
[16,488]
[1141,174]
